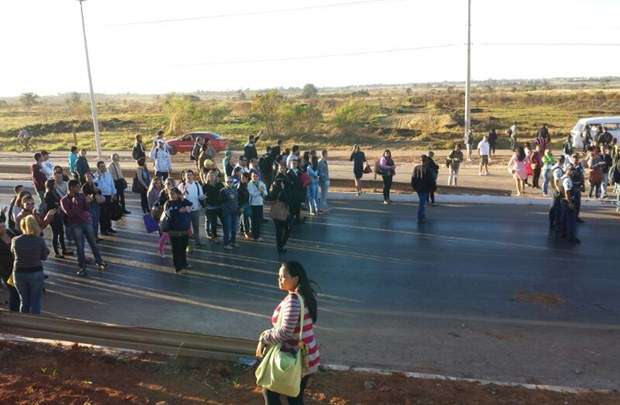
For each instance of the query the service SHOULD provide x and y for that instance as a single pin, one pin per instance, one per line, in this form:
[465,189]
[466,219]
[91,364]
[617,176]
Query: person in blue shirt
[105,183]
[73,157]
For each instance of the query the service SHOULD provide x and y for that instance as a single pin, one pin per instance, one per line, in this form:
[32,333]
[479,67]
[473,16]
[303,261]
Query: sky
[239,44]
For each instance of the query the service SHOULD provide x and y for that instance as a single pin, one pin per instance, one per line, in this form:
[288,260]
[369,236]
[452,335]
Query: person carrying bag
[289,350]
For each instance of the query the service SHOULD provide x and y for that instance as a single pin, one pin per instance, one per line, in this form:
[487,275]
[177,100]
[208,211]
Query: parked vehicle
[185,143]
[612,124]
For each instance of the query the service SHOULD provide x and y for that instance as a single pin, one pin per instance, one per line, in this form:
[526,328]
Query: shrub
[299,119]
[352,115]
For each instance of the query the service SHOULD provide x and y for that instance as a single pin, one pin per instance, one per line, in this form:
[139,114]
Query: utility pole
[468,79]
[93,103]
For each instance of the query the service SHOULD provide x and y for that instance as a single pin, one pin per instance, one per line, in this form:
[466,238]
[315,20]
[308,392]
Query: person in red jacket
[38,179]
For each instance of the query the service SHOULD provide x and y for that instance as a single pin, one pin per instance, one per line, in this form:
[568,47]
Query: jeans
[454,175]
[121,193]
[95,212]
[230,227]
[30,288]
[596,188]
[546,179]
[179,251]
[387,186]
[423,197]
[282,233]
[58,234]
[212,214]
[273,398]
[313,197]
[324,186]
[257,218]
[196,214]
[82,232]
[604,185]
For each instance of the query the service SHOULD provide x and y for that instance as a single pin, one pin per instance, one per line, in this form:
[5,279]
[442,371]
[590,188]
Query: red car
[185,143]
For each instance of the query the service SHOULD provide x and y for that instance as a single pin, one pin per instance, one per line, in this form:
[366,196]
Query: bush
[299,119]
[309,91]
[352,115]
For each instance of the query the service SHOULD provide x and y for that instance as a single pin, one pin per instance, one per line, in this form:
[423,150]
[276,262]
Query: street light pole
[467,80]
[93,103]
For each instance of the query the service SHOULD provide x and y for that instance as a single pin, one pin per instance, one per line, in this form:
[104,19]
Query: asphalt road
[479,291]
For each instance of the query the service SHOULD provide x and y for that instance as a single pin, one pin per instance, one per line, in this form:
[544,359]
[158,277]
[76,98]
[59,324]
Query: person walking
[142,183]
[606,169]
[298,194]
[548,162]
[492,139]
[292,327]
[422,183]
[516,166]
[177,215]
[30,251]
[105,183]
[359,160]
[586,138]
[265,165]
[76,207]
[114,168]
[313,187]
[257,191]
[192,191]
[52,202]
[567,147]
[323,181]
[229,196]
[161,156]
[555,212]
[387,168]
[138,150]
[484,149]
[194,154]
[455,158]
[434,171]
[6,266]
[213,204]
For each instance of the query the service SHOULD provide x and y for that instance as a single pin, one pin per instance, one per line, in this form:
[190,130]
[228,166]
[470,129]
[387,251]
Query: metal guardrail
[125,337]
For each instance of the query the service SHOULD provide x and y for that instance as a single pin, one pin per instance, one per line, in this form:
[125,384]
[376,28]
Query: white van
[612,124]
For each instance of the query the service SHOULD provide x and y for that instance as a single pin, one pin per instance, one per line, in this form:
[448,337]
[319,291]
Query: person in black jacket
[249,149]
[138,151]
[282,190]
[265,164]
[244,205]
[52,201]
[298,191]
[213,204]
[422,182]
[434,167]
[6,263]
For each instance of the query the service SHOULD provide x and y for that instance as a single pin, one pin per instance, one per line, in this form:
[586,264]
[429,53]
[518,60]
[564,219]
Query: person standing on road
[52,201]
[161,156]
[536,163]
[292,328]
[543,138]
[548,161]
[227,163]
[615,178]
[82,166]
[213,204]
[282,196]
[244,205]
[153,192]
[95,199]
[455,158]
[177,213]
[46,165]
[555,212]
[6,266]
[192,191]
[207,153]
[359,160]
[567,147]
[323,181]
[138,150]
[229,196]
[313,187]
[105,183]
[586,138]
[38,179]
[484,149]
[143,178]
[73,157]
[468,139]
[569,207]
[492,138]
[30,251]
[265,165]
[512,133]
[387,168]
[257,191]
[194,154]
[608,160]
[422,182]
[298,194]
[578,181]
[114,168]
[434,170]
[249,149]
[516,166]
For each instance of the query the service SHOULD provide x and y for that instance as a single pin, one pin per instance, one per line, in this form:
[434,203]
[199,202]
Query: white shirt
[105,182]
[484,148]
[48,168]
[567,183]
[193,193]
[513,129]
[257,192]
[557,172]
[162,160]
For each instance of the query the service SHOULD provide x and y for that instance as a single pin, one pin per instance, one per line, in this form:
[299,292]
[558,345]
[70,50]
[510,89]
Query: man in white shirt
[161,156]
[46,164]
[257,191]
[105,182]
[484,149]
[192,191]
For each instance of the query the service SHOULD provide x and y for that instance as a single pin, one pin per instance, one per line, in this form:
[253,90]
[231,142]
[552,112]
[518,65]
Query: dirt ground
[43,374]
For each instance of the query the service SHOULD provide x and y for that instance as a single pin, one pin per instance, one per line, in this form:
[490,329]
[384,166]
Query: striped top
[287,333]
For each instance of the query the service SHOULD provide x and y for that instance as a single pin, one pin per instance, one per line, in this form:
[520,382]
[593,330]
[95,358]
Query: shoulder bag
[281,371]
[279,211]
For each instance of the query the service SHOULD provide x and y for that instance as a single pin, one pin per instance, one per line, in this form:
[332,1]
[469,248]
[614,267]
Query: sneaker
[162,254]
[247,236]
[188,249]
[385,202]
[126,212]
[229,247]
[81,271]
[59,256]
[102,266]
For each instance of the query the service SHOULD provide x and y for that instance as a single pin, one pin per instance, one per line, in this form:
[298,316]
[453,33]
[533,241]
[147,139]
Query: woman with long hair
[114,167]
[287,321]
[517,166]
[153,192]
[359,159]
[313,187]
[164,196]
[387,168]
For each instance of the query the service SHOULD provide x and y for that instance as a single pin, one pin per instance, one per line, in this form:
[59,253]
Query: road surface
[479,291]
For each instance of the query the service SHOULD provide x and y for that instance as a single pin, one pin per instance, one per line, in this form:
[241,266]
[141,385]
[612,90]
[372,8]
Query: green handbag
[281,371]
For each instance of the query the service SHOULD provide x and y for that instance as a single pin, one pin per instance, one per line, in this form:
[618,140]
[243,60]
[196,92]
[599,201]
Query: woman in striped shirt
[292,278]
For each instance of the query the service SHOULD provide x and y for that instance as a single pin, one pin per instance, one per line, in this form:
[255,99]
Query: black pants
[120,191]
[492,147]
[387,186]
[144,202]
[211,226]
[257,218]
[273,398]
[58,234]
[282,233]
[105,221]
[179,255]
[295,210]
[536,176]
[555,213]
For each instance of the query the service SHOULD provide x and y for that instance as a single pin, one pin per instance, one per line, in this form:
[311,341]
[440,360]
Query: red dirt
[42,374]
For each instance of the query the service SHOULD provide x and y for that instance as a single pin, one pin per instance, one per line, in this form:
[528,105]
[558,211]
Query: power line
[253,13]
[324,56]
[593,44]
